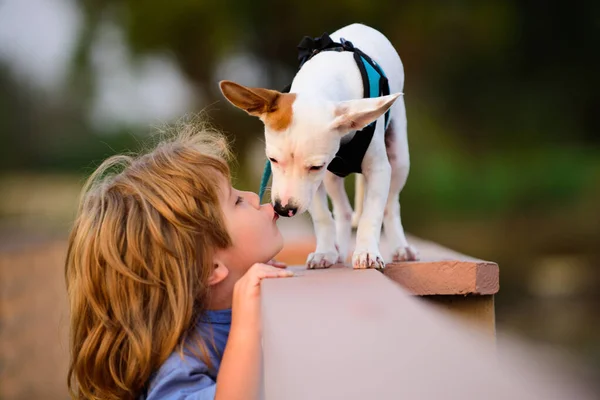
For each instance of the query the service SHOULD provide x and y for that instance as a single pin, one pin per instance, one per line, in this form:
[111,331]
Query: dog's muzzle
[288,211]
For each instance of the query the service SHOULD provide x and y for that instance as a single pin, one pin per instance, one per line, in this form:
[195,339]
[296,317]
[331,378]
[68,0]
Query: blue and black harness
[349,157]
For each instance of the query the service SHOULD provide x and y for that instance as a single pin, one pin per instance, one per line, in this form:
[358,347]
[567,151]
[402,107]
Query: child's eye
[316,167]
[239,200]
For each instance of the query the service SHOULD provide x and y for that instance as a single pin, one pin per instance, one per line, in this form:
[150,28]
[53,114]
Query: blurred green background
[502,101]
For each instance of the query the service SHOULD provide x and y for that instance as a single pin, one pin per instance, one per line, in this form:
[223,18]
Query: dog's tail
[359,196]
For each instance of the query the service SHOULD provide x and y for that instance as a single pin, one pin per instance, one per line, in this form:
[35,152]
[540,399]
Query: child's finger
[272,272]
[278,274]
[259,272]
[277,264]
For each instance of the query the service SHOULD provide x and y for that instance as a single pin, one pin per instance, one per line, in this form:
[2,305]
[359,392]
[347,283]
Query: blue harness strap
[377,82]
[349,157]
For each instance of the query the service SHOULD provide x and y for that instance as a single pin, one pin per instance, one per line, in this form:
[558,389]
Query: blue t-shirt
[189,377]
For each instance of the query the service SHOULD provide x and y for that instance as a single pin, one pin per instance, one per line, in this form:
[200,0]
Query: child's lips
[275,215]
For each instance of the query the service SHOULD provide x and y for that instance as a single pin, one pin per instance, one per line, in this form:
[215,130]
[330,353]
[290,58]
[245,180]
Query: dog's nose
[287,211]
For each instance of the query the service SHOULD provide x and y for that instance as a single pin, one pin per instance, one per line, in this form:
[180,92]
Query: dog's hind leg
[342,212]
[398,156]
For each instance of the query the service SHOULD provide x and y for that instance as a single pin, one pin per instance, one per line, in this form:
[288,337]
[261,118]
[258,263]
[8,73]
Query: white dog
[305,130]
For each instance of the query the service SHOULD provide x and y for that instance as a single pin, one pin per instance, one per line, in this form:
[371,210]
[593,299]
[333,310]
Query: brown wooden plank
[440,271]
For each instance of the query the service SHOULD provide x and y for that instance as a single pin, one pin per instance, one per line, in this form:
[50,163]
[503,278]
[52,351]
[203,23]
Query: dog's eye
[316,167]
[273,160]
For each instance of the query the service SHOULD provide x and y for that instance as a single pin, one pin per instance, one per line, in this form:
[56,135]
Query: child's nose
[254,199]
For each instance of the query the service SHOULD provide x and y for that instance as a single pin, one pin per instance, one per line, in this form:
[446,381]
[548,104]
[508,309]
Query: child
[163,275]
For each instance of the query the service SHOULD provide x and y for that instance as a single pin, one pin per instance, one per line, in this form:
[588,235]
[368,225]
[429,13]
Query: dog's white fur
[326,109]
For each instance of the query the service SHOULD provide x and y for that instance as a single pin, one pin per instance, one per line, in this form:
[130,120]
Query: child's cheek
[249,231]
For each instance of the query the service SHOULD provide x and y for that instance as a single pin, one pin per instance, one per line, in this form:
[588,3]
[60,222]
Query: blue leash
[264,180]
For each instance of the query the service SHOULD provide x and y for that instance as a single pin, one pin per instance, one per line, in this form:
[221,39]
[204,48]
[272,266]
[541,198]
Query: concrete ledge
[353,334]
[440,271]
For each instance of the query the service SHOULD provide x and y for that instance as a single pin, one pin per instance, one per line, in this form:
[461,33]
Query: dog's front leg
[377,176]
[325,254]
[342,211]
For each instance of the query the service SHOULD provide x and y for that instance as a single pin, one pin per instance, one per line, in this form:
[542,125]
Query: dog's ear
[272,107]
[356,114]
[255,101]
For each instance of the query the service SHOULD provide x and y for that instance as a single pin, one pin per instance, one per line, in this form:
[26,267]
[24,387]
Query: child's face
[252,228]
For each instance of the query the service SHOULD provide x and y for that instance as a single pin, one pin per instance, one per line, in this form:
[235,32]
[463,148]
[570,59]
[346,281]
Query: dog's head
[302,134]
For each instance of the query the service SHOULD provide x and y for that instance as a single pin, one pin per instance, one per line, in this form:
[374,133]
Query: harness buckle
[346,44]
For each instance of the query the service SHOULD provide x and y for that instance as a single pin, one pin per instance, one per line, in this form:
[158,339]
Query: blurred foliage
[501,96]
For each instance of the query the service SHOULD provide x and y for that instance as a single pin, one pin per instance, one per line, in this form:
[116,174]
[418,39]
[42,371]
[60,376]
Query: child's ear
[218,274]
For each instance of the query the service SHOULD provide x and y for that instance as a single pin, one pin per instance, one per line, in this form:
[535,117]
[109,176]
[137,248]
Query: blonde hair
[139,257]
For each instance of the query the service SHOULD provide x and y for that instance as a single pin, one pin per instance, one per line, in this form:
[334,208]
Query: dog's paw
[408,253]
[321,260]
[367,259]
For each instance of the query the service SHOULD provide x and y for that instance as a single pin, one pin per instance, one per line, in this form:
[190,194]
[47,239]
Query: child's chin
[277,245]
[280,242]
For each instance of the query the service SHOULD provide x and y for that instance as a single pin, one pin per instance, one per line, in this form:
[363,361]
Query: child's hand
[239,376]
[246,296]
